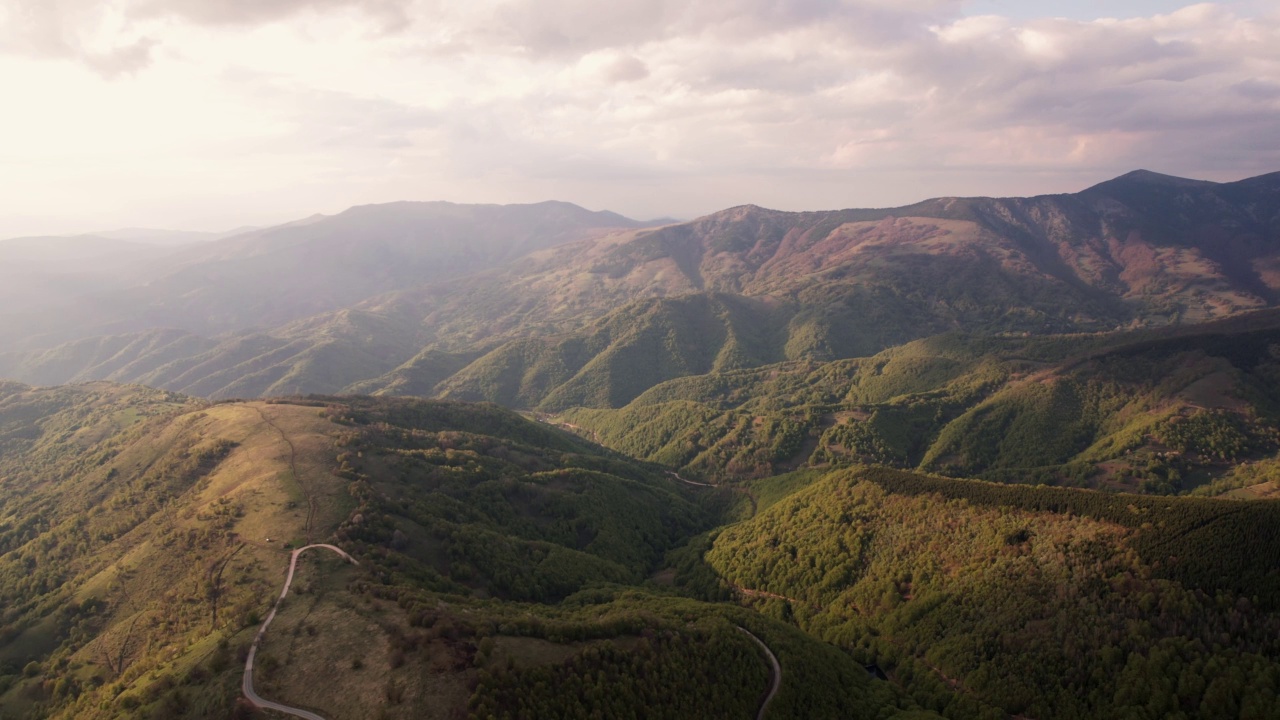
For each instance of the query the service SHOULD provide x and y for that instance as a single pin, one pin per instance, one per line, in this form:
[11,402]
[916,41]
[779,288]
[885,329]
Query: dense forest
[989,600]
[1170,411]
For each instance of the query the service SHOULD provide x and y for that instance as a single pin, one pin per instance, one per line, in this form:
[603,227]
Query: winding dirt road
[775,672]
[247,684]
[689,482]
[755,506]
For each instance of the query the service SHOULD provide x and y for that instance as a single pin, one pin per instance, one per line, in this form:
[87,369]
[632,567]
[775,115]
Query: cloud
[572,28]
[109,36]
[123,60]
[1258,89]
[562,89]
[679,105]
[73,30]
[342,121]
[625,68]
[1169,76]
[254,12]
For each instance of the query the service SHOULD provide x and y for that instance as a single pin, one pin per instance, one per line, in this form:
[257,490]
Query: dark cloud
[1258,89]
[998,93]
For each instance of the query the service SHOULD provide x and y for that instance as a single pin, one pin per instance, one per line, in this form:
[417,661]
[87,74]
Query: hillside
[141,533]
[583,305]
[973,458]
[1164,411]
[989,601]
[144,536]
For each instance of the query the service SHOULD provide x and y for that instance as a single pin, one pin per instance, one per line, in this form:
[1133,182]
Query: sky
[213,114]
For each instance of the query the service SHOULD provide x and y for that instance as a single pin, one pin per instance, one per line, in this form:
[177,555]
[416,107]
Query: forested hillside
[1164,411]
[988,601]
[143,536]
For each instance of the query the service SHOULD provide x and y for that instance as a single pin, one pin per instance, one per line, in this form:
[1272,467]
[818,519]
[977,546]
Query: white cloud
[284,107]
[252,12]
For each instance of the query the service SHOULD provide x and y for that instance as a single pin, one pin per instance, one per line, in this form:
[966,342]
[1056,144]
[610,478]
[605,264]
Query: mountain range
[547,305]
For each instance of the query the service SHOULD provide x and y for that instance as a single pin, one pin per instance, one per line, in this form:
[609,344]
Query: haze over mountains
[274,275]
[547,303]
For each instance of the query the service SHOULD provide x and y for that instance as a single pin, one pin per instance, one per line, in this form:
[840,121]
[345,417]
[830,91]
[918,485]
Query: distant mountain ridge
[552,305]
[171,238]
[271,276]
[159,237]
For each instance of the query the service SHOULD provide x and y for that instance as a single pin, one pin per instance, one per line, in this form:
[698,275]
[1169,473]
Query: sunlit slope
[140,530]
[499,554]
[1038,602]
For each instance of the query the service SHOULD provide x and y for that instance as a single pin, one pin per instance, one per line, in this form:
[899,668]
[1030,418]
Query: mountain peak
[1148,178]
[739,212]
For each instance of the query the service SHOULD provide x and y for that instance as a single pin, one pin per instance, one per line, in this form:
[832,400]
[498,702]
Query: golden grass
[274,483]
